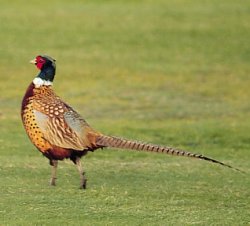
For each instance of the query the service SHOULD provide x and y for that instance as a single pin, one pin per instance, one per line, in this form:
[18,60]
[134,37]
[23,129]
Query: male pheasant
[59,132]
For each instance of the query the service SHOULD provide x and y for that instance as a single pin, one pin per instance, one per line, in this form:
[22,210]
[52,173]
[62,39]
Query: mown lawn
[175,73]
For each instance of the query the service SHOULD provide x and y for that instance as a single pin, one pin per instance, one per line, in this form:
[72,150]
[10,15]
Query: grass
[169,72]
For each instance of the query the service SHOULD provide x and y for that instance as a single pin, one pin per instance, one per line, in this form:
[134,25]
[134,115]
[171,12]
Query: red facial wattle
[40,62]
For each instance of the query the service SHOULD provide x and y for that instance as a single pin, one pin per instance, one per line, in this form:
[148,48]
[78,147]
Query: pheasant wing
[66,130]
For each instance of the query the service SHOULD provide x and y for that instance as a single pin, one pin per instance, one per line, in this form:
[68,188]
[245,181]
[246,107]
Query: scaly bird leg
[54,164]
[83,180]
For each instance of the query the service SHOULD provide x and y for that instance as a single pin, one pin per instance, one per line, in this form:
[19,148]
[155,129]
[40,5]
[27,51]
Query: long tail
[115,142]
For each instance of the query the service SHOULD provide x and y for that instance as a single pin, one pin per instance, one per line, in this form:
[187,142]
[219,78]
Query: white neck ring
[40,82]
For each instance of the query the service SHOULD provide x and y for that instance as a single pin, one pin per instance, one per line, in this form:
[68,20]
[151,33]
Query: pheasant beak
[33,61]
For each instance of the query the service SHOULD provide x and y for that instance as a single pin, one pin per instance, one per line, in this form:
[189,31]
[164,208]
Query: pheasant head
[47,67]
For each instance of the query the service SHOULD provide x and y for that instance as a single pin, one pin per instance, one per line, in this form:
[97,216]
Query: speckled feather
[50,123]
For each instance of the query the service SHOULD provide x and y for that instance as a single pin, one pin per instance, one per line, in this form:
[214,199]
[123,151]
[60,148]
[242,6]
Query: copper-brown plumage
[59,132]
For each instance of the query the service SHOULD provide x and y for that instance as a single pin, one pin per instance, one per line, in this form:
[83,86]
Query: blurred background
[169,72]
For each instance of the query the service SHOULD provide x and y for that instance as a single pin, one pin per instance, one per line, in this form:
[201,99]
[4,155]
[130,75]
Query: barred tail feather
[116,142]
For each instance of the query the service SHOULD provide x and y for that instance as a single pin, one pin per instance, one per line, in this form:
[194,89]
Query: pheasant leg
[83,180]
[54,164]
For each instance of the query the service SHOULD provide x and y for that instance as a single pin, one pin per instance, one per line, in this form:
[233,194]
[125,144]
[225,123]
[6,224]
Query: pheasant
[59,132]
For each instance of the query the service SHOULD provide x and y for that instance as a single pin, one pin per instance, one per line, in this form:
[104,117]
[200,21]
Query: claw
[83,184]
[53,181]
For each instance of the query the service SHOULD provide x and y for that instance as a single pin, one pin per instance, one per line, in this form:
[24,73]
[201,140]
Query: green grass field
[175,73]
